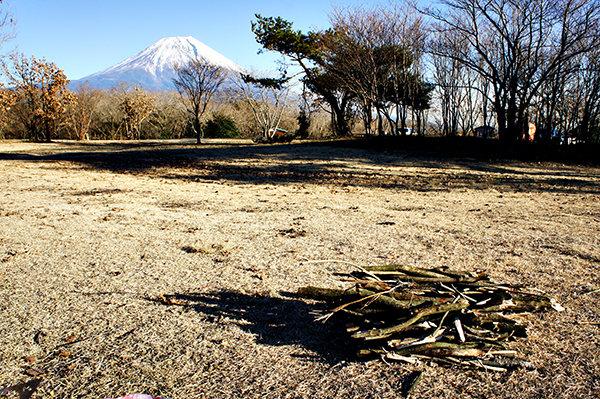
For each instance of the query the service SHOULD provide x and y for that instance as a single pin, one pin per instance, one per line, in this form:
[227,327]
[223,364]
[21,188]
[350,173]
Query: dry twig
[399,309]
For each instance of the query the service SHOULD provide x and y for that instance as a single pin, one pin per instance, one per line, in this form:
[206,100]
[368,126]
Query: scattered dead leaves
[71,337]
[36,372]
[217,249]
[169,300]
[291,233]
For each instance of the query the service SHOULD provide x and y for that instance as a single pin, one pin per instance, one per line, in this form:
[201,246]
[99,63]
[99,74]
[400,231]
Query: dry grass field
[171,269]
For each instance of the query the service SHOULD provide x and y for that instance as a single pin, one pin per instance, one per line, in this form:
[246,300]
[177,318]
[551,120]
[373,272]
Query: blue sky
[83,37]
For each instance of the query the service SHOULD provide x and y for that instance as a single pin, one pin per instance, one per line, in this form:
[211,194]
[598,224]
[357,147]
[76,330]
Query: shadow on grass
[290,321]
[274,321]
[449,164]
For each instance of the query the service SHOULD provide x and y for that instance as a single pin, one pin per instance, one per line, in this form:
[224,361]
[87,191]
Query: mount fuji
[153,68]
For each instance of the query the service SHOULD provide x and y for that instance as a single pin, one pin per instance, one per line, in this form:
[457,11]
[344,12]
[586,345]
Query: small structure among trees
[484,132]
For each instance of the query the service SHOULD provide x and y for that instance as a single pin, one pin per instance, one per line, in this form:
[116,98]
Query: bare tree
[447,74]
[7,24]
[377,53]
[197,82]
[109,116]
[569,105]
[169,116]
[83,110]
[267,98]
[515,45]
[589,127]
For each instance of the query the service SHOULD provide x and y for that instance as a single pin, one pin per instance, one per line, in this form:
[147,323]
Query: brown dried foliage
[40,90]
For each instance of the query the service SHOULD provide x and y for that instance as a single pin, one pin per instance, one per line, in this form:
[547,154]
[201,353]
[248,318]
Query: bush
[221,126]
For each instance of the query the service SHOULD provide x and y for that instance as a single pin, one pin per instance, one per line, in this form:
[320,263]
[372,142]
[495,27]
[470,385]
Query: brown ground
[170,269]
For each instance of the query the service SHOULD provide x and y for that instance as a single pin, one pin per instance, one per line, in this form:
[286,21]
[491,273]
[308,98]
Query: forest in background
[516,70]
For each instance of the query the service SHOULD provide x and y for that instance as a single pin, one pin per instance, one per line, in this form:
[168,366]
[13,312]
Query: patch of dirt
[170,269]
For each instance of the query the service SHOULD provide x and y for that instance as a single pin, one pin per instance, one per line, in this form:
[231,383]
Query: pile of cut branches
[407,313]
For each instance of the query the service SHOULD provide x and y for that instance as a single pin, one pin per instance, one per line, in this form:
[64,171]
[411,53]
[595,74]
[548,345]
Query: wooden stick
[322,293]
[441,349]
[406,269]
[459,329]
[387,300]
[421,279]
[377,297]
[400,344]
[385,332]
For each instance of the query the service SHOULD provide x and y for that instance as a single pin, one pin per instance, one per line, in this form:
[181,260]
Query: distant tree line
[37,105]
[500,65]
[466,67]
[518,62]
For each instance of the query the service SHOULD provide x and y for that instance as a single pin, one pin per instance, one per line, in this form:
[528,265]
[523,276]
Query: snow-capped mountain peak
[153,68]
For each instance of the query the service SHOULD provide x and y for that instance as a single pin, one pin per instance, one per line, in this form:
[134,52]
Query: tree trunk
[338,116]
[198,130]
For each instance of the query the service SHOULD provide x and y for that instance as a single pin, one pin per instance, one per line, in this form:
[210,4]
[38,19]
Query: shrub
[221,126]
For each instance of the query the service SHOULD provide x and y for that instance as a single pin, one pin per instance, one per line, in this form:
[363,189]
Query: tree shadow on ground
[327,163]
[274,321]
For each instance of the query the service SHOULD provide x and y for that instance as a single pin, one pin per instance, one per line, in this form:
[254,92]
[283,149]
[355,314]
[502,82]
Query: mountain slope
[153,67]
